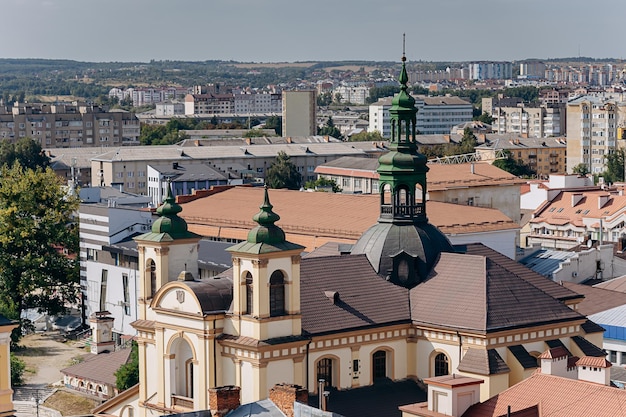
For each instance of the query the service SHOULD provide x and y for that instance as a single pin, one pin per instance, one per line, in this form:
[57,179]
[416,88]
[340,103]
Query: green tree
[485,118]
[329,129]
[38,243]
[468,142]
[128,374]
[366,137]
[614,166]
[323,182]
[283,173]
[510,165]
[25,151]
[324,99]
[18,367]
[276,123]
[581,169]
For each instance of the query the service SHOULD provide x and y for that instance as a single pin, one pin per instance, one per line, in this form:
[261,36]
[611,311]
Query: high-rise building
[592,127]
[299,113]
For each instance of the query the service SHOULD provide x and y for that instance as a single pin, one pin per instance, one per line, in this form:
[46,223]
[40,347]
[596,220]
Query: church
[400,303]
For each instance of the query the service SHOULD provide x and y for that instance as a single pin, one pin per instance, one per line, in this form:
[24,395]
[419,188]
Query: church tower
[165,251]
[403,246]
[266,306]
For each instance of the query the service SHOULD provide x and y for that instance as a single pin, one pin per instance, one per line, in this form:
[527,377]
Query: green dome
[266,231]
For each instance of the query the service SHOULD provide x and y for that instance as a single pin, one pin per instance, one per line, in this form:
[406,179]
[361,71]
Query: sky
[317,30]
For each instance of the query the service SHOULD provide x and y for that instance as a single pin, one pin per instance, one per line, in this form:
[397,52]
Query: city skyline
[290,31]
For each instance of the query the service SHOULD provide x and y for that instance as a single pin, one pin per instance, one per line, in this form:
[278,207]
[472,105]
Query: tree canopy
[128,374]
[514,167]
[329,129]
[614,171]
[25,151]
[38,242]
[283,173]
[323,182]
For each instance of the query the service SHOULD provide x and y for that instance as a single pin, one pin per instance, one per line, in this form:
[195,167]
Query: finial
[403,47]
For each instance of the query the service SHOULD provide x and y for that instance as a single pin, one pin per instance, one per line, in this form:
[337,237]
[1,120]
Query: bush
[18,367]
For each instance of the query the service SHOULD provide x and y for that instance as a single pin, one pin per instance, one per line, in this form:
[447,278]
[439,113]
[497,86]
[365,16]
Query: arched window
[325,371]
[277,294]
[379,365]
[441,365]
[249,293]
[189,378]
[153,278]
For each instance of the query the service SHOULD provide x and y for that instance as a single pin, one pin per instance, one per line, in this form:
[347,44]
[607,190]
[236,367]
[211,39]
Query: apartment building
[435,115]
[128,166]
[533,69]
[490,70]
[545,156]
[150,95]
[355,94]
[68,125]
[532,121]
[592,130]
[299,113]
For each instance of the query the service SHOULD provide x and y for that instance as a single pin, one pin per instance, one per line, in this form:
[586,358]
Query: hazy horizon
[298,31]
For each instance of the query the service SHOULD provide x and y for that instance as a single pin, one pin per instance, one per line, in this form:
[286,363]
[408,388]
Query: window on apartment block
[103,289]
[126,294]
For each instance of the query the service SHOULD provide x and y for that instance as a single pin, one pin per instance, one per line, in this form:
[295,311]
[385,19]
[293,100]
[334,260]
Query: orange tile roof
[560,211]
[312,219]
[556,397]
[593,362]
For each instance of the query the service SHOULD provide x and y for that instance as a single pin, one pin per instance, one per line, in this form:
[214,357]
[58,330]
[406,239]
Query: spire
[168,226]
[403,169]
[266,231]
[267,236]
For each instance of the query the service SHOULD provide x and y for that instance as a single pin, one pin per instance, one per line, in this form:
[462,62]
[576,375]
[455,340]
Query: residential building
[436,115]
[299,113]
[354,94]
[209,104]
[182,178]
[128,165]
[544,156]
[149,95]
[170,108]
[68,125]
[472,184]
[592,130]
[572,218]
[532,69]
[490,70]
[408,304]
[537,192]
[529,121]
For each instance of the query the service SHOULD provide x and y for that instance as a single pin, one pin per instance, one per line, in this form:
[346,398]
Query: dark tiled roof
[556,343]
[523,357]
[472,292]
[548,286]
[214,294]
[596,299]
[99,368]
[591,327]
[366,401]
[588,348]
[483,362]
[365,299]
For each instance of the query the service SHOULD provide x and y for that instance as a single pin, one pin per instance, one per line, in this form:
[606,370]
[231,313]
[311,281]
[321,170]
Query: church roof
[363,298]
[99,368]
[483,362]
[214,294]
[474,292]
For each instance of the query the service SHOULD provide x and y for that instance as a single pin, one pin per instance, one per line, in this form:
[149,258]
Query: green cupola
[402,246]
[267,236]
[168,226]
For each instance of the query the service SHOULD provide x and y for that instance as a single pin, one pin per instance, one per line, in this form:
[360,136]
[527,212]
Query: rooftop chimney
[284,395]
[223,400]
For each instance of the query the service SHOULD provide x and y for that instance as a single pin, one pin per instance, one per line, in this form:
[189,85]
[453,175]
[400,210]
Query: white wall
[503,241]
